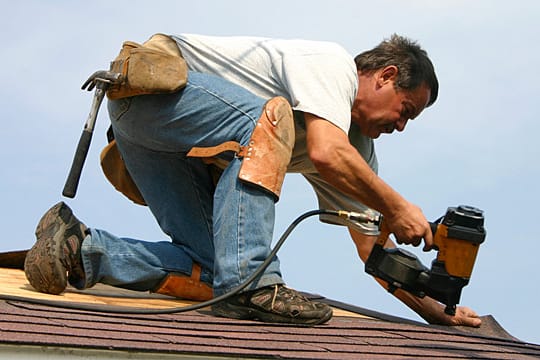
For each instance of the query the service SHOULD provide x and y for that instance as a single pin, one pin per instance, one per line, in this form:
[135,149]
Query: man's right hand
[410,226]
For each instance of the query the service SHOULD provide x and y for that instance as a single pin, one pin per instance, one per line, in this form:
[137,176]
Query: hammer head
[103,79]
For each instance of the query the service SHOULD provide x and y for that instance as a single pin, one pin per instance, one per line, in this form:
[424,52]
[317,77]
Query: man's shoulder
[287,45]
[308,47]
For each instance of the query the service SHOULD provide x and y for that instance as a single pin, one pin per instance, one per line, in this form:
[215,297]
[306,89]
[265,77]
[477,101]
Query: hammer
[101,80]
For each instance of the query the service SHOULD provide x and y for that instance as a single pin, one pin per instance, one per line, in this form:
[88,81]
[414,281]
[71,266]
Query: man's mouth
[389,128]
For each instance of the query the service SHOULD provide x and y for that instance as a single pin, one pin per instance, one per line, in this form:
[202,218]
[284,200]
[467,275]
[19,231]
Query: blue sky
[477,145]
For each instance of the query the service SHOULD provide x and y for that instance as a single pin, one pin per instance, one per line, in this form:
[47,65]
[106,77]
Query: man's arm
[340,164]
[428,308]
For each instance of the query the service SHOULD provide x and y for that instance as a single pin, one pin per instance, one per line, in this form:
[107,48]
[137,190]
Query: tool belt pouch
[115,171]
[155,67]
[270,147]
[266,157]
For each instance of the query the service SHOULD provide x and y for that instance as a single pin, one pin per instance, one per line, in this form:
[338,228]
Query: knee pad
[186,287]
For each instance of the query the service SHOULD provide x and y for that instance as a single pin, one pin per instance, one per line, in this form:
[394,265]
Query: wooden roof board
[199,333]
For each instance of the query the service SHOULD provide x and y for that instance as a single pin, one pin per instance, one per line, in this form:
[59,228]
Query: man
[221,229]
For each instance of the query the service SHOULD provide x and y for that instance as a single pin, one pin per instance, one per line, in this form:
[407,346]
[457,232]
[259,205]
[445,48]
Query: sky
[475,146]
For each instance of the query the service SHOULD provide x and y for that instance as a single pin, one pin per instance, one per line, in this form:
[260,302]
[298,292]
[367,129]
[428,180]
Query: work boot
[57,251]
[276,304]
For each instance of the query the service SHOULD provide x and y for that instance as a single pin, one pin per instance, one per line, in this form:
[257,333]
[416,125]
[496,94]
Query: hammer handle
[72,181]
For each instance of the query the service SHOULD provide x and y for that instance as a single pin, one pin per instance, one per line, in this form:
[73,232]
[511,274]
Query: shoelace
[274,297]
[286,293]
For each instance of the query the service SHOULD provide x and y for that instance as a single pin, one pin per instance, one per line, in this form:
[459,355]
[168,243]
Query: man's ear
[386,74]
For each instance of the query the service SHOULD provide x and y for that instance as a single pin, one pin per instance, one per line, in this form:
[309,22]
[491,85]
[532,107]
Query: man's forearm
[341,165]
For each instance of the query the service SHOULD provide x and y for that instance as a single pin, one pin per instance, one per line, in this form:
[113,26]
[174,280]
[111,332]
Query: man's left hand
[464,317]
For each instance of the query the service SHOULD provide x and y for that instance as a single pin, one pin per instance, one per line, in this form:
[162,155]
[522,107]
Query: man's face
[383,108]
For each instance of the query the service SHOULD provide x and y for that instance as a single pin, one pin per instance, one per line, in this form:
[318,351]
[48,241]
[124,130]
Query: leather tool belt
[268,153]
[155,67]
[115,171]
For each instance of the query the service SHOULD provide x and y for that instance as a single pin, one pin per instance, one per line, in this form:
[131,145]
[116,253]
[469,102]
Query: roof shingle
[200,333]
[353,332]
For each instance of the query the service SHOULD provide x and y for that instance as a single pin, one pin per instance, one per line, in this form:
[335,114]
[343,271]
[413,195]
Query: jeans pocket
[117,108]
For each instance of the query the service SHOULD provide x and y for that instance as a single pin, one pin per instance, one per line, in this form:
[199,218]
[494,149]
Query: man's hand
[429,309]
[409,226]
[464,317]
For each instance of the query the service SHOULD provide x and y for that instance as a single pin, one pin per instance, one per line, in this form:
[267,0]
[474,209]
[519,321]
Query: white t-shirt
[315,77]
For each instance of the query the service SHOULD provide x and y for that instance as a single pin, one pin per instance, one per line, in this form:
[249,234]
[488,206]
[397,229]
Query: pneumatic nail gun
[457,236]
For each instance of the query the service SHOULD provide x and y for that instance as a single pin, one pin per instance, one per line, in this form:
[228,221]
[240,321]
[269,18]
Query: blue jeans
[226,227]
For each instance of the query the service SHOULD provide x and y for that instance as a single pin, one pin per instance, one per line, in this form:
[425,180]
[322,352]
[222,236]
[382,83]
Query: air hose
[123,310]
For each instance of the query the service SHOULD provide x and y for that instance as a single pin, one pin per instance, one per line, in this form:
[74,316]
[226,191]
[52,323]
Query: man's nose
[401,124]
